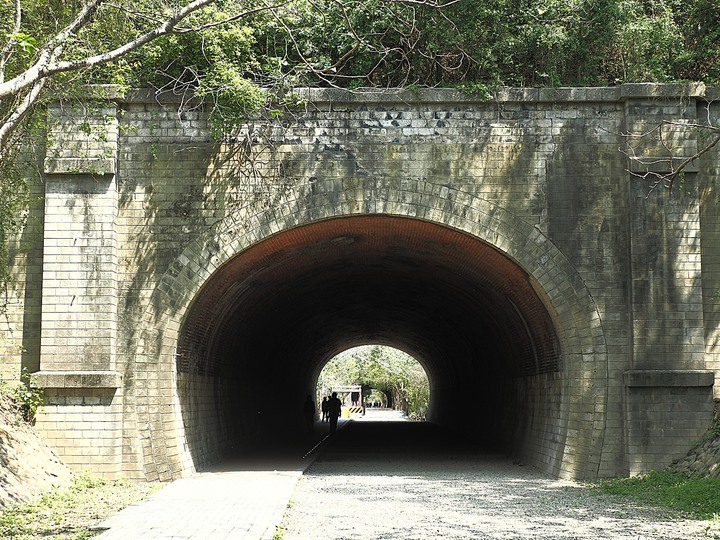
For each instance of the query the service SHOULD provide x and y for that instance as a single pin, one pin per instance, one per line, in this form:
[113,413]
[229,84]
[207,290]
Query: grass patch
[698,498]
[71,513]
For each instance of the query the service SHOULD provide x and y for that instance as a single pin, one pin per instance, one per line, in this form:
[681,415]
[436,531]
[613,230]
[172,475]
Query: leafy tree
[394,373]
[52,45]
[245,56]
[516,42]
[699,21]
[240,55]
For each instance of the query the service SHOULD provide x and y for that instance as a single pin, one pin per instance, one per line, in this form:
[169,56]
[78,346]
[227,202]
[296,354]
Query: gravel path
[388,482]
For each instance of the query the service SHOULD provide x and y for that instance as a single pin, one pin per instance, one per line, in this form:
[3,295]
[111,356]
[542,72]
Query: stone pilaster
[79,291]
[668,393]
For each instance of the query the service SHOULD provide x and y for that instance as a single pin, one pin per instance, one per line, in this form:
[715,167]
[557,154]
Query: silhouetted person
[324,409]
[334,406]
[309,412]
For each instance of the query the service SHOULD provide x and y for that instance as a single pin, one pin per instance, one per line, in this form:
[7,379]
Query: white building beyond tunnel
[562,314]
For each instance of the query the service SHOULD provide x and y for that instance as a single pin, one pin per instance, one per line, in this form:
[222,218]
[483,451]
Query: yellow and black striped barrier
[347,412]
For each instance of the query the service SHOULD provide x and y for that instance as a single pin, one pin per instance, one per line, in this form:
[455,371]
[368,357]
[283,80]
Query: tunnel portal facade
[183,293]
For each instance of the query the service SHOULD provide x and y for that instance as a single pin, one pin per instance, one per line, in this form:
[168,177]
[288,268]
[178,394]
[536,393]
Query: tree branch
[47,66]
[181,30]
[11,122]
[48,53]
[7,50]
[667,179]
[439,4]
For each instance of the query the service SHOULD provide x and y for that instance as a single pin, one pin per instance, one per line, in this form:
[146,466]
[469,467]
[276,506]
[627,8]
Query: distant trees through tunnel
[387,377]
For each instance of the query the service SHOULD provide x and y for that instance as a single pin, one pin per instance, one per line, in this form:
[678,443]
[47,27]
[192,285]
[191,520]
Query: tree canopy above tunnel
[231,49]
[243,55]
[380,42]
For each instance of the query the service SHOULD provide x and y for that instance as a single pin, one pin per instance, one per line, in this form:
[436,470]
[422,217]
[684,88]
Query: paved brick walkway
[239,505]
[244,500]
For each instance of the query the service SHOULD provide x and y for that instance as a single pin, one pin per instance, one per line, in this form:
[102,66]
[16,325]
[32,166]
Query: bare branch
[427,3]
[688,161]
[319,73]
[234,18]
[669,166]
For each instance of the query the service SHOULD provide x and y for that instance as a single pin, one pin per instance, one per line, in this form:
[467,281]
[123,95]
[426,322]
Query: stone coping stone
[97,166]
[668,377]
[76,379]
[446,95]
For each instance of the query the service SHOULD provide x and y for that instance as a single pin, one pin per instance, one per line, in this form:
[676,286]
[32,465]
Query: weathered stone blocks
[143,210]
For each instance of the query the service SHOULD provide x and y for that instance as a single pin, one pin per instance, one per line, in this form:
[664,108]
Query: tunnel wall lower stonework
[206,433]
[139,270]
[538,426]
[662,405]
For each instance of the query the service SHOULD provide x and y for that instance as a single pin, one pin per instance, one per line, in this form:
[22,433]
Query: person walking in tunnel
[334,407]
[309,412]
[324,409]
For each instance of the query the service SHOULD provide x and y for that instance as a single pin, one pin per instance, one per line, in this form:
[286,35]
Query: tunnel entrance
[252,341]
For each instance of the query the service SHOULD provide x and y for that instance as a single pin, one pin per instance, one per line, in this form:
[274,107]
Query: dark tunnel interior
[261,329]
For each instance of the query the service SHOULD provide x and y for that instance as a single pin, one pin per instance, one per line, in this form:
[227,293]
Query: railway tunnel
[262,327]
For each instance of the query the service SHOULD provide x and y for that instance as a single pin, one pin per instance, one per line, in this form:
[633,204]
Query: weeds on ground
[282,528]
[72,512]
[698,498]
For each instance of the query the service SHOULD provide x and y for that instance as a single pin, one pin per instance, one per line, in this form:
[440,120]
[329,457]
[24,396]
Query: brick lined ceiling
[295,299]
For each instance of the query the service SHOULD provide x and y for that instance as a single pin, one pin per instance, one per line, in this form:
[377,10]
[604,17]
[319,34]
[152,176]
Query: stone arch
[162,447]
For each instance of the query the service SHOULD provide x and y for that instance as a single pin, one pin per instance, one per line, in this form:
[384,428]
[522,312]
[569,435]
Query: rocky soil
[704,458]
[28,468]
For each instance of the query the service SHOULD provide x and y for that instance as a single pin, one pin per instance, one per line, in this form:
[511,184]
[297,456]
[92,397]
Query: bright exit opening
[373,379]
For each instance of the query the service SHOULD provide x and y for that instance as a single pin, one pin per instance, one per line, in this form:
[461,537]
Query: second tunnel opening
[258,333]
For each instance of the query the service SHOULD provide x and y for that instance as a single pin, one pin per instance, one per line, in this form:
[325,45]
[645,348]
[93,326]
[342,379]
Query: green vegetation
[517,42]
[245,56]
[697,497]
[352,43]
[69,513]
[380,370]
[18,401]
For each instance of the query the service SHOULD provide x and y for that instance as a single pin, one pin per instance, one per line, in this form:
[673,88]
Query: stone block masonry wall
[167,197]
[709,186]
[665,242]
[552,159]
[663,403]
[81,419]
[20,322]
[82,416]
[79,254]
[131,183]
[662,408]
